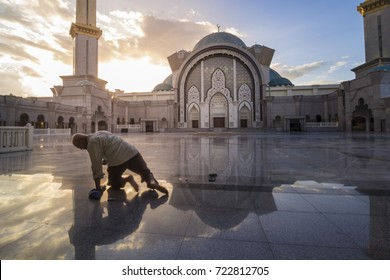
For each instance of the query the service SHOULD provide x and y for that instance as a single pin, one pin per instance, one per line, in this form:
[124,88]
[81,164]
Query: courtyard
[276,196]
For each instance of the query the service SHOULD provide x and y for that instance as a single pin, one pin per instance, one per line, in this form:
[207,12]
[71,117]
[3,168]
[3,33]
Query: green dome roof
[219,37]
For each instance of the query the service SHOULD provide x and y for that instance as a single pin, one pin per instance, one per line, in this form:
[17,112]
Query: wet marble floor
[276,196]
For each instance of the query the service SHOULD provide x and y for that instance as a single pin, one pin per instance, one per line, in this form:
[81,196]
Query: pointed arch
[193,95]
[219,111]
[218,85]
[193,115]
[244,113]
[244,93]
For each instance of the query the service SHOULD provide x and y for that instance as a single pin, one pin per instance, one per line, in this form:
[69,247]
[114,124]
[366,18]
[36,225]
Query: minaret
[376,14]
[86,36]
[84,89]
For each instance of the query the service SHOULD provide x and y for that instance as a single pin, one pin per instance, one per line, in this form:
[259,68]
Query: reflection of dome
[277,80]
[380,68]
[222,218]
[164,86]
[219,37]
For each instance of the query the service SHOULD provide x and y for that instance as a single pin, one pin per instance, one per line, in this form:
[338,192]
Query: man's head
[80,141]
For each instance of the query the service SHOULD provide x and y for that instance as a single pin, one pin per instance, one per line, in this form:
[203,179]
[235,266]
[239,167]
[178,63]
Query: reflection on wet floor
[276,196]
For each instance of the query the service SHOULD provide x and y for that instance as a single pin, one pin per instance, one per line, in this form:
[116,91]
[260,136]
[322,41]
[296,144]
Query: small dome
[168,80]
[219,37]
[162,87]
[277,80]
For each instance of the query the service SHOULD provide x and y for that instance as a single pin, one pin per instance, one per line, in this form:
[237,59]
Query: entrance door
[148,126]
[195,124]
[243,123]
[295,125]
[219,122]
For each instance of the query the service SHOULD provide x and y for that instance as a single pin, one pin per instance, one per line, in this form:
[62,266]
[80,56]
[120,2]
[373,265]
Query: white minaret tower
[84,89]
[86,36]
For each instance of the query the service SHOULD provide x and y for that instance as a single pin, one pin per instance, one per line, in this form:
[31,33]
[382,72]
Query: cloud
[29,25]
[336,66]
[11,82]
[16,52]
[31,72]
[133,35]
[294,72]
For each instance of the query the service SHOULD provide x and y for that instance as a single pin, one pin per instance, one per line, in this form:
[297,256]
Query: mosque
[220,84]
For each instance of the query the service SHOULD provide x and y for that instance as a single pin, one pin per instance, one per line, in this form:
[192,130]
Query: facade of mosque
[220,84]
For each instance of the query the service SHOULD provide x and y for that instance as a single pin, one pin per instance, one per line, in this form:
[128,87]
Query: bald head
[80,140]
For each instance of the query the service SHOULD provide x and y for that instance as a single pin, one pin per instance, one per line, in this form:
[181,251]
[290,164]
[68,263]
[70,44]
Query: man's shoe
[153,184]
[96,194]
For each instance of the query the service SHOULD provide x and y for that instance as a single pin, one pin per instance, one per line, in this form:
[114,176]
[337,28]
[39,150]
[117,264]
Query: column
[234,80]
[202,81]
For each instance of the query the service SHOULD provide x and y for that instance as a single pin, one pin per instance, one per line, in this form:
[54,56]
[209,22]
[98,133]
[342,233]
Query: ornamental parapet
[78,28]
[371,6]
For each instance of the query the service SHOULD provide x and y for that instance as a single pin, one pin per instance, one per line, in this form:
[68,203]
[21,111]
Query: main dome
[219,37]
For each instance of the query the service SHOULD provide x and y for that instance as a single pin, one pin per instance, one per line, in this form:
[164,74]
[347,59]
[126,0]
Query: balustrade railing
[16,138]
[322,124]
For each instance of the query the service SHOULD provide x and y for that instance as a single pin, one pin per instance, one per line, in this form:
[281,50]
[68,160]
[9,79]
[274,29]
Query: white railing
[52,131]
[16,138]
[128,127]
[322,124]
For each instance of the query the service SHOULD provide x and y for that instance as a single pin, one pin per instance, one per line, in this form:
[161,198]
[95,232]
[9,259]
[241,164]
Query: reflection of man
[123,218]
[119,155]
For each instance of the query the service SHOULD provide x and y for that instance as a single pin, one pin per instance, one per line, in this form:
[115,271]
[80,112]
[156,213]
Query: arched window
[60,122]
[40,122]
[24,119]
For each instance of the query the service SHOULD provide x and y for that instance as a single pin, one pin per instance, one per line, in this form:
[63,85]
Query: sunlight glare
[135,75]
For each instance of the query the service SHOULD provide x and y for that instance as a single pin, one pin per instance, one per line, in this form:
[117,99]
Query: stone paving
[276,196]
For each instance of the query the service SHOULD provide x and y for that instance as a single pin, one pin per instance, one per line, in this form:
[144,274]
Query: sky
[315,41]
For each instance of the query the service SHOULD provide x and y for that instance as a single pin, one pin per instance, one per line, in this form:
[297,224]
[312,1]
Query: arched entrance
[245,116]
[193,117]
[164,123]
[362,119]
[40,122]
[102,125]
[359,124]
[72,125]
[60,122]
[218,111]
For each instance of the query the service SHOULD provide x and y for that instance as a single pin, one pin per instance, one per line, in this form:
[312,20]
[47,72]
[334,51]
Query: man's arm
[97,184]
[95,155]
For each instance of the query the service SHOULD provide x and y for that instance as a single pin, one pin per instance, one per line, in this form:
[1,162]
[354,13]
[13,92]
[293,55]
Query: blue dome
[219,37]
[276,80]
